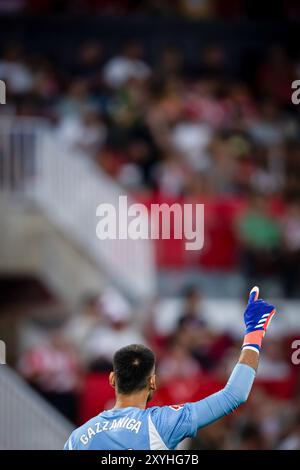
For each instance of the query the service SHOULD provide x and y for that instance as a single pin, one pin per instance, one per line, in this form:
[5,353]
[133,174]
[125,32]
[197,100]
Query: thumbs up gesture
[257,317]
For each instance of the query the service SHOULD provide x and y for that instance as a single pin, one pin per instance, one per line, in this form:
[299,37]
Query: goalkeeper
[130,425]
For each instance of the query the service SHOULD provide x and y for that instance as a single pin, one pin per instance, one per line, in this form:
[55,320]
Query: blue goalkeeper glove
[257,317]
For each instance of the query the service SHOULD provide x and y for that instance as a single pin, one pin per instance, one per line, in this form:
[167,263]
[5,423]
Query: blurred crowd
[171,129]
[67,360]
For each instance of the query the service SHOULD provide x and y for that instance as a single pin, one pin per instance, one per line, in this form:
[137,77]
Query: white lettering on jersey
[98,429]
[90,433]
[105,426]
[125,423]
[84,439]
[136,426]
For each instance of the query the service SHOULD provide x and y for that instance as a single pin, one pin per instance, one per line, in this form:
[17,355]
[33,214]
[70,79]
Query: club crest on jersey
[176,407]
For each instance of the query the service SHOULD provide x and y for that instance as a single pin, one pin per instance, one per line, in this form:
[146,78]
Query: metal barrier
[68,188]
[27,422]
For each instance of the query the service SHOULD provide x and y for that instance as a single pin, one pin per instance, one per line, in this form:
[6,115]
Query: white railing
[69,188]
[27,422]
[20,146]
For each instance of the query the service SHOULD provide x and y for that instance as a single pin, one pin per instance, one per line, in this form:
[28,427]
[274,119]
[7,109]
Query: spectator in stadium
[170,175]
[128,65]
[170,62]
[80,325]
[89,64]
[292,169]
[273,365]
[54,370]
[290,266]
[292,440]
[190,137]
[223,166]
[77,98]
[270,415]
[177,363]
[83,133]
[267,128]
[118,330]
[192,311]
[267,176]
[15,70]
[250,438]
[260,237]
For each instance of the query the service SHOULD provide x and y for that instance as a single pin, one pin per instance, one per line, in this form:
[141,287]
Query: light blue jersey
[160,428]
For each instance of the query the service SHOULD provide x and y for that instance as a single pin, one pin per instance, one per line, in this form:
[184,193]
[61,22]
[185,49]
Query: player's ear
[152,382]
[112,379]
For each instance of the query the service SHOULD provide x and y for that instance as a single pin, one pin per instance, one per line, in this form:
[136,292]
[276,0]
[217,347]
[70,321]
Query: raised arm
[257,317]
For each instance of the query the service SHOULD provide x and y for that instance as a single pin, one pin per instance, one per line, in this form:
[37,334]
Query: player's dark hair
[133,365]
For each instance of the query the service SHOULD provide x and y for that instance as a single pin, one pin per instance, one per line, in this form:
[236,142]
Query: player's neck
[138,400]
